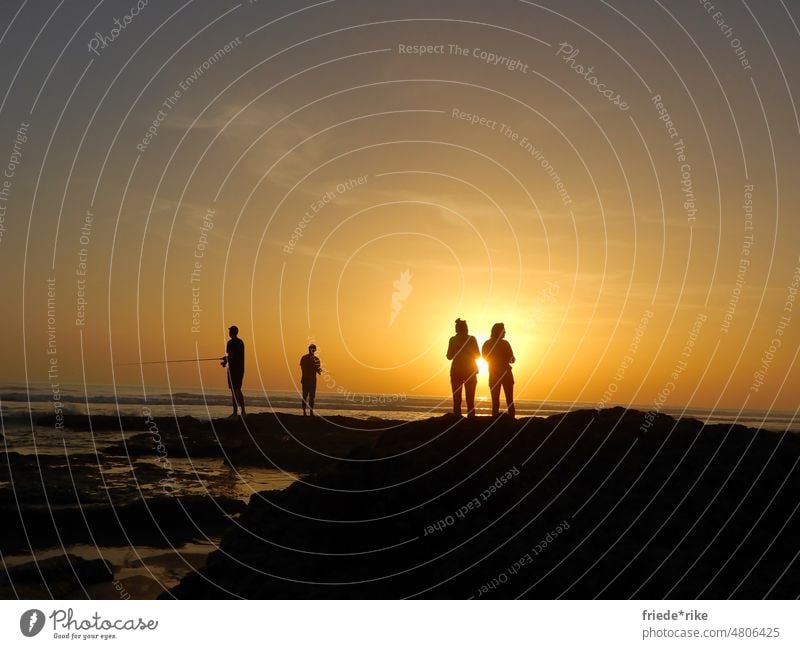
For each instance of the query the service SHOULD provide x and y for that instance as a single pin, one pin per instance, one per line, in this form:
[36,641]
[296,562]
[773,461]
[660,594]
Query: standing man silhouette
[499,357]
[310,367]
[234,361]
[463,351]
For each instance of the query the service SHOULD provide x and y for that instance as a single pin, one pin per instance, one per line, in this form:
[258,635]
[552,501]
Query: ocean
[20,406]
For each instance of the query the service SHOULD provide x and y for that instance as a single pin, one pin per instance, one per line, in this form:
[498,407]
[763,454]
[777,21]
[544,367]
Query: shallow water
[139,572]
[144,572]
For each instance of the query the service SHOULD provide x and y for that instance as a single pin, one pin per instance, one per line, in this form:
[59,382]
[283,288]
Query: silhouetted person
[310,366]
[499,356]
[234,361]
[463,351]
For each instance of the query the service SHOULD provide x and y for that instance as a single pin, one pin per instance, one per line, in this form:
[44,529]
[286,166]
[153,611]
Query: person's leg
[240,399]
[469,389]
[508,388]
[233,391]
[494,390]
[305,397]
[455,384]
[233,402]
[312,392]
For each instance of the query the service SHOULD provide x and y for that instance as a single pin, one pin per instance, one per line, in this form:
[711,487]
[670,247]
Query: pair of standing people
[463,352]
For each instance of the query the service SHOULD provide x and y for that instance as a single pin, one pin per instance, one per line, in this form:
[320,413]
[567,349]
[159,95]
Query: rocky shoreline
[127,494]
[272,440]
[612,504]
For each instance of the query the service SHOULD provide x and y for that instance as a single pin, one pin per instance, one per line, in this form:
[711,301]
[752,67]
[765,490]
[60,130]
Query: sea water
[21,406]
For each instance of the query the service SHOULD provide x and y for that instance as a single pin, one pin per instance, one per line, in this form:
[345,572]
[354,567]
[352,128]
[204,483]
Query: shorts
[457,380]
[235,379]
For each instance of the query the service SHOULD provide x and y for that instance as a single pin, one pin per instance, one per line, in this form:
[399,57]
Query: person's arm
[450,351]
[474,352]
[318,365]
[511,358]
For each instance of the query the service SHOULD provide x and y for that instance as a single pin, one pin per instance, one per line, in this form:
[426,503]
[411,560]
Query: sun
[483,366]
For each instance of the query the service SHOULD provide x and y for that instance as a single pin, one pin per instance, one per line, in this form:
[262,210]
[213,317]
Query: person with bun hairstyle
[463,352]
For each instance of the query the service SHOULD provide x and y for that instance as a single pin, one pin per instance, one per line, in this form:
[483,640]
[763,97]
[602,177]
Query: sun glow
[483,367]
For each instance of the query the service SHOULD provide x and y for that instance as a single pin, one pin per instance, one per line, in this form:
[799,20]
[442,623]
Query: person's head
[312,349]
[498,330]
[233,331]
[461,326]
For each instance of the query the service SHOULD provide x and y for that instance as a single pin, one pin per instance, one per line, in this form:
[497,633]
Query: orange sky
[342,170]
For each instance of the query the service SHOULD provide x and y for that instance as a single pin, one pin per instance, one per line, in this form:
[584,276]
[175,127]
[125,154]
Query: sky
[615,181]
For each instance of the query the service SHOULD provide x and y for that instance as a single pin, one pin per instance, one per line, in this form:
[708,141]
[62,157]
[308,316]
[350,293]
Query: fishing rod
[180,360]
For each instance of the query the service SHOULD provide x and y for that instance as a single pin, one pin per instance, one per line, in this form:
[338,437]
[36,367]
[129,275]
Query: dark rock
[291,442]
[158,522]
[63,576]
[613,503]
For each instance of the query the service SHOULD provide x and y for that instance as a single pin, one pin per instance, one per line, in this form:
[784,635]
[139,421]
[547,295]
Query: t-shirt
[498,355]
[310,366]
[463,351]
[235,352]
